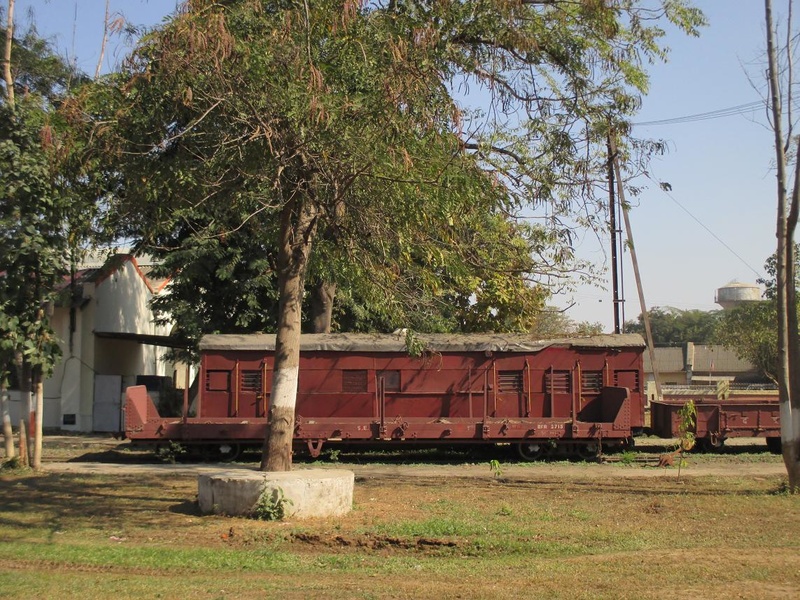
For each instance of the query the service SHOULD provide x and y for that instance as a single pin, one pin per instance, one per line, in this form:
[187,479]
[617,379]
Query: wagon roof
[436,342]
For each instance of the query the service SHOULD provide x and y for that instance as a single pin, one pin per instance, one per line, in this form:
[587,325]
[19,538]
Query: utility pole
[612,223]
[636,274]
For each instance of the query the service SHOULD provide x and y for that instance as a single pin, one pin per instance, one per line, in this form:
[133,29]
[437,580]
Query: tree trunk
[298,224]
[322,306]
[9,80]
[791,434]
[787,326]
[38,387]
[27,408]
[8,434]
[23,444]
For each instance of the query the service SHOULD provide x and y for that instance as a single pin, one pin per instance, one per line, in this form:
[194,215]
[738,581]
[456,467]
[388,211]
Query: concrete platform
[313,492]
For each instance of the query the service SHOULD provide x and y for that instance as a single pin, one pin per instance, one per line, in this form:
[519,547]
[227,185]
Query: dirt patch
[739,458]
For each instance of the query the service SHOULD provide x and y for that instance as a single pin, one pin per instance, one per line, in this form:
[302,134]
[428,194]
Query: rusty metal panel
[536,390]
[738,415]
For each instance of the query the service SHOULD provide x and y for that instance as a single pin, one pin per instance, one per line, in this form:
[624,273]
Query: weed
[628,457]
[333,455]
[496,468]
[13,464]
[783,488]
[170,452]
[271,505]
[504,511]
[686,437]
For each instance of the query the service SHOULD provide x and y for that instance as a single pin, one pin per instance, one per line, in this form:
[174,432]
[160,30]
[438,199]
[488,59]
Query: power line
[714,235]
[731,111]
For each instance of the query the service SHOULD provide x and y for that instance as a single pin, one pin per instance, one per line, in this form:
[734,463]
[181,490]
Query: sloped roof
[706,358]
[112,264]
[669,360]
[719,358]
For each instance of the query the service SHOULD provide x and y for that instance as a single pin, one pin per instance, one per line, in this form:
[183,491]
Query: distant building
[698,364]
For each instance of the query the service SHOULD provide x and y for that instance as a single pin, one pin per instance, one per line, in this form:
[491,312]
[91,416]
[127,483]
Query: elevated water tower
[736,293]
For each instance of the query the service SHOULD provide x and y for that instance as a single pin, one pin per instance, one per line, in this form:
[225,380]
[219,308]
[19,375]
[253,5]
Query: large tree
[674,326]
[337,123]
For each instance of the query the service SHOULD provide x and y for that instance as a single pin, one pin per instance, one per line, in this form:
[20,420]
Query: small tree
[788,348]
[37,209]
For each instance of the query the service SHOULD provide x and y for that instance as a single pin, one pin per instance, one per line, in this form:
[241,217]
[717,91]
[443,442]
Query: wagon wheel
[708,444]
[532,450]
[774,445]
[587,450]
[224,452]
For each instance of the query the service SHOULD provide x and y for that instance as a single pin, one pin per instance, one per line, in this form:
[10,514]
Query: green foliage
[43,215]
[271,506]
[415,347]
[628,457]
[496,468]
[32,239]
[233,118]
[687,423]
[38,70]
[751,330]
[170,452]
[13,464]
[552,323]
[333,454]
[771,267]
[687,416]
[672,326]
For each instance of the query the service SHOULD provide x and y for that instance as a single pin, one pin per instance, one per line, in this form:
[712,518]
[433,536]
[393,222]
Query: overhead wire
[708,229]
[731,111]
[739,109]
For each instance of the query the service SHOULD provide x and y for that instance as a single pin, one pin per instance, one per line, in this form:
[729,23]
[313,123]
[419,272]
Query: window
[509,381]
[558,382]
[391,380]
[591,381]
[354,381]
[218,381]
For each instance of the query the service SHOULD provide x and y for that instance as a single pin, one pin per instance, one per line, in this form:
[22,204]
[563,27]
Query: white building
[108,339]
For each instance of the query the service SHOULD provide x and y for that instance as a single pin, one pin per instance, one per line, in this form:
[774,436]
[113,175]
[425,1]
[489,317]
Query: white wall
[122,303]
[117,303]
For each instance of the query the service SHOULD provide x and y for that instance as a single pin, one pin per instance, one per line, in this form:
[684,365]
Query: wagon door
[254,383]
[510,397]
[558,387]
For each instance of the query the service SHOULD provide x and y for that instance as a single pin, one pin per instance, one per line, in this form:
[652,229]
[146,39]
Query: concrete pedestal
[313,492]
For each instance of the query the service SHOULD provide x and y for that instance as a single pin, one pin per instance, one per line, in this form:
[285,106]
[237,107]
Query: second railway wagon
[722,413]
[566,395]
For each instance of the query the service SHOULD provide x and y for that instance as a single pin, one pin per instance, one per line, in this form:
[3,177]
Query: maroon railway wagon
[721,414]
[568,395]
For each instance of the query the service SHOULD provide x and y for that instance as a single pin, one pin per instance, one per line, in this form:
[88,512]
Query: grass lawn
[80,536]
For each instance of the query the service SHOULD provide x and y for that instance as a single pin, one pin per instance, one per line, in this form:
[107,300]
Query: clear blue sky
[720,169]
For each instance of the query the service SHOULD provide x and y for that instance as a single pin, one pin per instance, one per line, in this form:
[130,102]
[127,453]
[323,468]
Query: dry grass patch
[94,536]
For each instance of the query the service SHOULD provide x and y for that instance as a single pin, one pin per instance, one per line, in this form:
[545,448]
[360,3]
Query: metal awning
[145,338]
